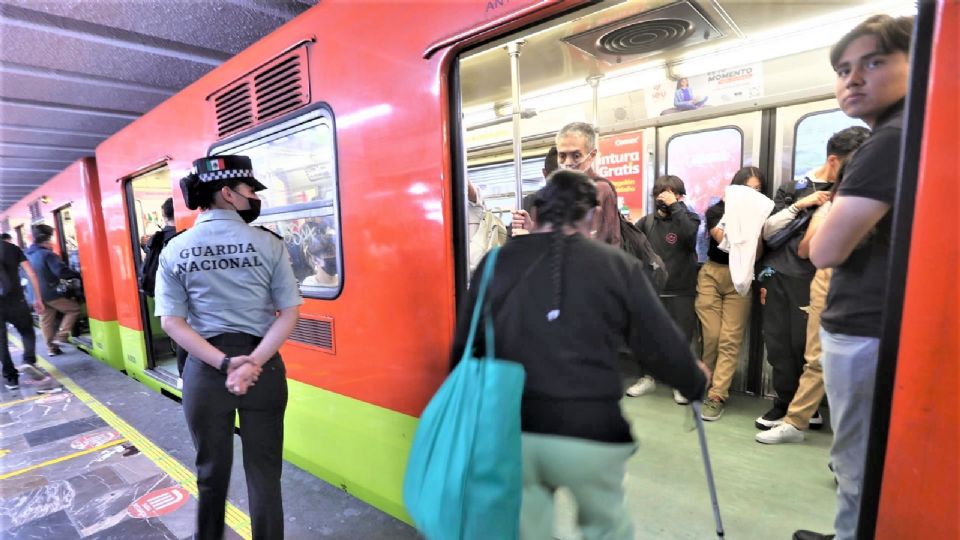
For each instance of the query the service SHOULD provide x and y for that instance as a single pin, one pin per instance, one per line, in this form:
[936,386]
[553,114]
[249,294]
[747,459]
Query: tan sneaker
[712,409]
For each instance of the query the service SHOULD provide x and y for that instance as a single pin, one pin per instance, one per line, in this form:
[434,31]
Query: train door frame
[58,225]
[19,231]
[150,369]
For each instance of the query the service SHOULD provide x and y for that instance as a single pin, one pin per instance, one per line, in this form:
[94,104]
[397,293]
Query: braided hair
[566,199]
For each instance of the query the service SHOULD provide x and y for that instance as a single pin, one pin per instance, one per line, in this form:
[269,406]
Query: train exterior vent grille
[234,109]
[282,85]
[680,24]
[274,89]
[315,333]
[35,213]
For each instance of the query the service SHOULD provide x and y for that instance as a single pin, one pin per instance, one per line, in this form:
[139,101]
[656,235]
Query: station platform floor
[106,458]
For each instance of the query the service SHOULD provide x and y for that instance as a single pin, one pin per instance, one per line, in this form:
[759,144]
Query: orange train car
[70,203]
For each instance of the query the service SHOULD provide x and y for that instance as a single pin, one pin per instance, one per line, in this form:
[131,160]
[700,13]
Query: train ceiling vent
[315,332]
[677,25]
[276,88]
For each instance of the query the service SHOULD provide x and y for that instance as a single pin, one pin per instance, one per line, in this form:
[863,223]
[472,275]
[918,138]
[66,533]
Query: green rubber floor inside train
[766,492]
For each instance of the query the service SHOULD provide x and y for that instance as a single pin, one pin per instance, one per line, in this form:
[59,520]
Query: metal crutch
[695,405]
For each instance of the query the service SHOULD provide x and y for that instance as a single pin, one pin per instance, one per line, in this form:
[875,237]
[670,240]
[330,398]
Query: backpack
[148,274]
[637,244]
[798,224]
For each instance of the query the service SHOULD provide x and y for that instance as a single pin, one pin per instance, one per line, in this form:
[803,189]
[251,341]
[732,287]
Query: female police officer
[219,288]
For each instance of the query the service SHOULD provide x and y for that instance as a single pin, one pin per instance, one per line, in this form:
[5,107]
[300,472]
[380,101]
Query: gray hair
[582,128]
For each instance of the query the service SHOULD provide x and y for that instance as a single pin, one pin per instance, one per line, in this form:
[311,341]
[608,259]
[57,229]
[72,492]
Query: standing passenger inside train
[50,270]
[787,310]
[220,288]
[722,311]
[566,331]
[785,277]
[872,63]
[672,231]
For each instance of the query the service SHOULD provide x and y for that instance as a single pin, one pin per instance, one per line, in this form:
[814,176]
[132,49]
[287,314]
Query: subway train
[367,125]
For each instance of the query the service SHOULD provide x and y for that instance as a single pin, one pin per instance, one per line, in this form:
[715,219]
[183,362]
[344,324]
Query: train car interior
[144,196]
[759,91]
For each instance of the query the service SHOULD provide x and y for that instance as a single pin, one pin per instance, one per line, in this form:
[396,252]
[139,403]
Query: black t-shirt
[10,258]
[858,287]
[714,215]
[674,238]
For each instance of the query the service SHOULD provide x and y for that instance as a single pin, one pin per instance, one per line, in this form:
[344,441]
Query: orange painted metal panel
[920,496]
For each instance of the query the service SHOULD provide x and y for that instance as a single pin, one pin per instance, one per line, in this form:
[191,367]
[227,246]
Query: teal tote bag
[464,476]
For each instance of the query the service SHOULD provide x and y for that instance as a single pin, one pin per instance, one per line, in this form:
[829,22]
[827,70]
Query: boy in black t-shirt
[872,65]
[14,310]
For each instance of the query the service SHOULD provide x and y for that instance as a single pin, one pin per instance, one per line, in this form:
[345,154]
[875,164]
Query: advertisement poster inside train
[720,87]
[620,160]
[706,162]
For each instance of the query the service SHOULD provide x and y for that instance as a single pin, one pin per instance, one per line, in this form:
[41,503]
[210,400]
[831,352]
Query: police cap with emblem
[213,172]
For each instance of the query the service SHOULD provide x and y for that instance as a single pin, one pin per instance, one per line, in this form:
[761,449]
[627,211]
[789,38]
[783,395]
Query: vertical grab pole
[513,49]
[708,469]
[594,82]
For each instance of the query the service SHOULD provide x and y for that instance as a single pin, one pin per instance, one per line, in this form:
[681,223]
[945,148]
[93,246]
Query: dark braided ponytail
[566,199]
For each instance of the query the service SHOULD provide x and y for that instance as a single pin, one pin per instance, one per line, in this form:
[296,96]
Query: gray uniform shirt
[223,276]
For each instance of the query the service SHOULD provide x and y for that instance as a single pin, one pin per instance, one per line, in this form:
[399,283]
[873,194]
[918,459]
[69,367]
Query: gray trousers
[849,371]
[211,411]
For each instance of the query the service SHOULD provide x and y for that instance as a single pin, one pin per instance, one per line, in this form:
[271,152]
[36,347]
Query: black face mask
[250,214]
[663,207]
[330,266]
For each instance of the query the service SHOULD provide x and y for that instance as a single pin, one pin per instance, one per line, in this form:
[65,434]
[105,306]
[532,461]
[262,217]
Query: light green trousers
[592,471]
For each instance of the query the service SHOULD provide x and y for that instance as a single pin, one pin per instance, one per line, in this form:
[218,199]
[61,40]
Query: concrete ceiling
[73,72]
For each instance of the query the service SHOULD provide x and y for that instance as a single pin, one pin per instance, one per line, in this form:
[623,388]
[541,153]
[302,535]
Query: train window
[296,160]
[706,162]
[67,236]
[812,133]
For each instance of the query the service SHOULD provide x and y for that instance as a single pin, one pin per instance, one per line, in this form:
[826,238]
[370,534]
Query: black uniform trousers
[16,312]
[785,332]
[210,410]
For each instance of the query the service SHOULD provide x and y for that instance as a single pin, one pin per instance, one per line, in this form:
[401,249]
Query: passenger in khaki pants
[810,389]
[723,313]
[50,270]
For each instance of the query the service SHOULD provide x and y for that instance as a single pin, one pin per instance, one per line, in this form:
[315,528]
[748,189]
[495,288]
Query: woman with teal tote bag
[463,478]
[561,305]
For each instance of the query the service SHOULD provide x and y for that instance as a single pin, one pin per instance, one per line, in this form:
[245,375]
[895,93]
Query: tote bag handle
[482,304]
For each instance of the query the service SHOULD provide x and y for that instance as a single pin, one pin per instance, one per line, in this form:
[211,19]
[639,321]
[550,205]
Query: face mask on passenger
[662,206]
[250,214]
[330,266]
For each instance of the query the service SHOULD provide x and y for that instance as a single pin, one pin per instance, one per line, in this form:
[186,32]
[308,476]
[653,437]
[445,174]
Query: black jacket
[674,238]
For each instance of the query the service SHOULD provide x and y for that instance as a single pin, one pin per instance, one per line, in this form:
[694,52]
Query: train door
[20,240]
[69,251]
[706,154]
[145,195]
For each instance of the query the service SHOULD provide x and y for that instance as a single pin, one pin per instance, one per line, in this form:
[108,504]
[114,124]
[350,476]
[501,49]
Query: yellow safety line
[11,474]
[24,400]
[236,519]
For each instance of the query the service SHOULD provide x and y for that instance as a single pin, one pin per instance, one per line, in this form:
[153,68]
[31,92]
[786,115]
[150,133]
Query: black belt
[237,339]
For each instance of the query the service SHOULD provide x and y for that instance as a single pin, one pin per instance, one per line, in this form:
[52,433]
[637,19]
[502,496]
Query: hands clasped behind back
[242,374]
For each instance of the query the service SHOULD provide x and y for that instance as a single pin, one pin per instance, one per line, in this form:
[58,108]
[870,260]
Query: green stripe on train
[358,447]
[105,336]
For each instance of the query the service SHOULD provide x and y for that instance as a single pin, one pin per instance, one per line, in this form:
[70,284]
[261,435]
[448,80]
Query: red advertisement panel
[620,160]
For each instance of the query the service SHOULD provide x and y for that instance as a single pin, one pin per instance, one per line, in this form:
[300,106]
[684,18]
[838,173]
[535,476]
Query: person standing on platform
[14,309]
[220,288]
[50,270]
[872,64]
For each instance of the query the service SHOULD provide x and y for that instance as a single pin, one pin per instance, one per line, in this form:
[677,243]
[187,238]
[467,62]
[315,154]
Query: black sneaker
[816,422]
[54,351]
[11,384]
[771,418]
[810,535]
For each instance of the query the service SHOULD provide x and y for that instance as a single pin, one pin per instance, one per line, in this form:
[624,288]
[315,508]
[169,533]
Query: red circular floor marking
[85,442]
[158,503]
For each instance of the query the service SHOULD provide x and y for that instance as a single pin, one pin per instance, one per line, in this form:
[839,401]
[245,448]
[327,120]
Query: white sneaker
[644,386]
[679,399]
[781,433]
